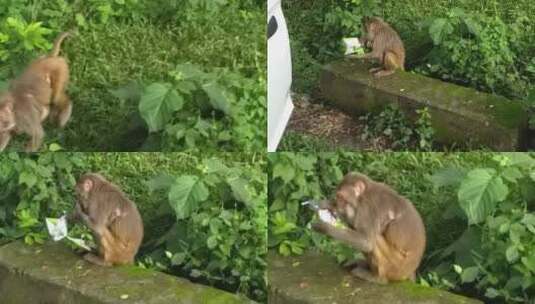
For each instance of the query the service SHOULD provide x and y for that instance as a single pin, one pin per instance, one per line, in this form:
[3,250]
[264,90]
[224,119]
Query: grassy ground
[103,58]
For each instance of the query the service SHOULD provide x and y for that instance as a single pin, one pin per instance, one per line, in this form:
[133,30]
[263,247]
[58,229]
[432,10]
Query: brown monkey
[114,220]
[38,92]
[386,46]
[383,225]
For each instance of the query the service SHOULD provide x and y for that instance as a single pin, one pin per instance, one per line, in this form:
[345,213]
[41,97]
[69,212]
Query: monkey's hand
[321,227]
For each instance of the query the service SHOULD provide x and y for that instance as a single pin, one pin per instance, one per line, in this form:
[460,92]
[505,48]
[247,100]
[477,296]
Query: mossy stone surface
[317,279]
[53,273]
[458,114]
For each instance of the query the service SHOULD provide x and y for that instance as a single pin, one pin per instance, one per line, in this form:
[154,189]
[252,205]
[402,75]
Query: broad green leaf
[186,193]
[27,178]
[469,274]
[479,193]
[158,104]
[473,26]
[284,171]
[512,174]
[54,147]
[211,242]
[239,190]
[162,181]
[520,159]
[217,97]
[439,28]
[529,262]
[491,293]
[448,177]
[511,254]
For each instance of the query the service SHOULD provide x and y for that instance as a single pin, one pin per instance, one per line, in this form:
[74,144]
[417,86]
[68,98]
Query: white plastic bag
[57,228]
[352,46]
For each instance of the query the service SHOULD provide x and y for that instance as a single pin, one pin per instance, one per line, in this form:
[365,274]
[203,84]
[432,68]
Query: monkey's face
[7,117]
[347,199]
[83,188]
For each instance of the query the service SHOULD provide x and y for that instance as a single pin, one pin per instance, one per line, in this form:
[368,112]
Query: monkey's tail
[57,43]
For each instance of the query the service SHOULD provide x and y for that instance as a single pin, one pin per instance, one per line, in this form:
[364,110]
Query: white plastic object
[57,228]
[280,105]
[352,45]
[327,217]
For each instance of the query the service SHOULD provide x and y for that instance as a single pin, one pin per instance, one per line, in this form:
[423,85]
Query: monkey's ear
[359,187]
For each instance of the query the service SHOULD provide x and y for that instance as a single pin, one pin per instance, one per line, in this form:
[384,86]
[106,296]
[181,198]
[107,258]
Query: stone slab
[317,279]
[458,114]
[53,273]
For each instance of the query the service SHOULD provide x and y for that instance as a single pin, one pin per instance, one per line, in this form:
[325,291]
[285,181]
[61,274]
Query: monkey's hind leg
[90,257]
[64,110]
[390,65]
[367,275]
[375,70]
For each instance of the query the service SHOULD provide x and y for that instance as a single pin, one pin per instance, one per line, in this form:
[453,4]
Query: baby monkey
[386,46]
[381,224]
[38,92]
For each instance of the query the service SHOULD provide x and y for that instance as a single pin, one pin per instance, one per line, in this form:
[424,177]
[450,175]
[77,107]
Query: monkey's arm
[76,214]
[354,238]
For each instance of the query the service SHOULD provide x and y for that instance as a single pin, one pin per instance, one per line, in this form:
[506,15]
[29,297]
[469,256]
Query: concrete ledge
[316,279]
[459,114]
[54,274]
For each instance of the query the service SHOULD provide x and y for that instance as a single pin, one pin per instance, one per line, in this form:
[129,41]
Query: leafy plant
[220,231]
[216,109]
[392,124]
[32,188]
[495,253]
[475,50]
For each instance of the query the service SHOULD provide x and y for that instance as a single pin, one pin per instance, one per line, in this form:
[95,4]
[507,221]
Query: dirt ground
[314,118]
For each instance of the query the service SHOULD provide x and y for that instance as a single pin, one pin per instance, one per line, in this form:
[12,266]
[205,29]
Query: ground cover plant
[205,217]
[149,75]
[485,200]
[487,46]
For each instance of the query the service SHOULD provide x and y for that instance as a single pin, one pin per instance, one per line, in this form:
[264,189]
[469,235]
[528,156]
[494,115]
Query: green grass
[105,57]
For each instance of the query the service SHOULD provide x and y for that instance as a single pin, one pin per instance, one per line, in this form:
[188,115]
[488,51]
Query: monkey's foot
[96,260]
[366,275]
[383,73]
[374,70]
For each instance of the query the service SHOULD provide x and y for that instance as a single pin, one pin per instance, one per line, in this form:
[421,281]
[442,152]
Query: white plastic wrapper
[57,228]
[326,216]
[353,46]
[323,214]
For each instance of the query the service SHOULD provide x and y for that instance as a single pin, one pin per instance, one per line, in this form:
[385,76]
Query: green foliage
[220,229]
[33,187]
[495,253]
[217,109]
[392,124]
[475,50]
